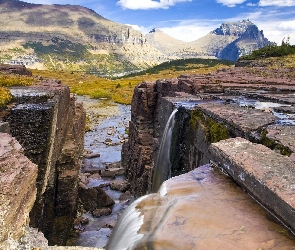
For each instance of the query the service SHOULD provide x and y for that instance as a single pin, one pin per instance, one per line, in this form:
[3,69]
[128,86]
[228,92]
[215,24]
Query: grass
[271,50]
[5,96]
[7,81]
[120,90]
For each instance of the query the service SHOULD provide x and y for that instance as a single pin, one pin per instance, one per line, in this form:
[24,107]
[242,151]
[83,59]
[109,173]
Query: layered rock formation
[50,125]
[222,111]
[18,191]
[241,122]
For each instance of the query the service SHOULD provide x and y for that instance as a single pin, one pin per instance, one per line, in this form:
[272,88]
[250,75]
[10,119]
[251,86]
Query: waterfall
[162,169]
[125,234]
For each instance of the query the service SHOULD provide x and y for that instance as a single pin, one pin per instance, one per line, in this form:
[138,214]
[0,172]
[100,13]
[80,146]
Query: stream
[108,123]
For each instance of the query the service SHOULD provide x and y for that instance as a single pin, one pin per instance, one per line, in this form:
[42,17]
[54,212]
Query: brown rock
[93,198]
[15,69]
[18,188]
[120,185]
[104,200]
[93,155]
[268,176]
[202,209]
[125,196]
[101,212]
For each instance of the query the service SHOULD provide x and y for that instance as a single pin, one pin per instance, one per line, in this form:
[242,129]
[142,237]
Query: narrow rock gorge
[49,128]
[233,126]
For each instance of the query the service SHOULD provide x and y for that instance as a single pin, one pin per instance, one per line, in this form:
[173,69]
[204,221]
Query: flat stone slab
[243,119]
[268,176]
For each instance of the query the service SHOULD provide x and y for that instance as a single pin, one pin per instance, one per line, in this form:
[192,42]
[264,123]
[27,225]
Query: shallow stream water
[108,122]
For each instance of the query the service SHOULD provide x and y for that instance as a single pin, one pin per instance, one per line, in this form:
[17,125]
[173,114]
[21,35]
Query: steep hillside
[74,38]
[165,43]
[70,37]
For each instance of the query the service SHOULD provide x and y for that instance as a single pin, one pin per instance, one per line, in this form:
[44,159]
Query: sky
[189,20]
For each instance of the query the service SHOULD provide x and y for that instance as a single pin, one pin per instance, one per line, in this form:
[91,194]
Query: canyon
[232,126]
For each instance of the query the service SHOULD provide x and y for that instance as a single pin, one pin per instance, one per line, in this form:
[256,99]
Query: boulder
[93,198]
[120,185]
[101,212]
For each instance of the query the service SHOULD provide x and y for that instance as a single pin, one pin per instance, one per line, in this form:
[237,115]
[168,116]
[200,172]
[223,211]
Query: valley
[114,139]
[74,38]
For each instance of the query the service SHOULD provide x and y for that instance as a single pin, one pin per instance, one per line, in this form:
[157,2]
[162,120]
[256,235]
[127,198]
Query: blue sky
[189,20]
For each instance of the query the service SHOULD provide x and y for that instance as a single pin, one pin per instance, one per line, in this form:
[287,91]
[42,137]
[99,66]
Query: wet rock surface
[203,209]
[246,101]
[268,176]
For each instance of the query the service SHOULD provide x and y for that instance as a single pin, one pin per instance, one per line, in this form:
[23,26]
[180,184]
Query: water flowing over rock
[227,105]
[203,209]
[214,111]
[163,165]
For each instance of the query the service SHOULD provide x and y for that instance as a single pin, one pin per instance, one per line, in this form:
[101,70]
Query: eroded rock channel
[103,189]
[230,165]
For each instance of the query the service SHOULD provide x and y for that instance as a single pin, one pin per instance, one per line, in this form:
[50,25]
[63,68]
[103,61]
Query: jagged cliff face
[18,189]
[247,37]
[230,41]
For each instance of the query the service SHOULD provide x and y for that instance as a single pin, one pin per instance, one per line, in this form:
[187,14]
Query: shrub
[5,96]
[100,93]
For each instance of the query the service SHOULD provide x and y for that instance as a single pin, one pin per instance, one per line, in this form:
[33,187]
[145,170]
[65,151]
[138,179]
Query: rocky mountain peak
[233,28]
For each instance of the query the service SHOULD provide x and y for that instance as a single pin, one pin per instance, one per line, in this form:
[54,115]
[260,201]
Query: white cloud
[277,3]
[191,30]
[251,4]
[288,25]
[142,29]
[230,3]
[148,4]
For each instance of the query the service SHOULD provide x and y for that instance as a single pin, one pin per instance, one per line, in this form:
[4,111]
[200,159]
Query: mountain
[75,38]
[236,39]
[70,37]
[230,41]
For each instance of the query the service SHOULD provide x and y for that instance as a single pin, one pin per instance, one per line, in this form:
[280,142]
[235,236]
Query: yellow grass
[11,80]
[120,90]
[5,96]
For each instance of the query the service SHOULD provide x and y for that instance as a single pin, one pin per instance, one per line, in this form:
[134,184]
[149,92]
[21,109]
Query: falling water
[125,234]
[163,166]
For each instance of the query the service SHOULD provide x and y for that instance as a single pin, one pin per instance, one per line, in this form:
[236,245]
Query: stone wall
[50,125]
[218,115]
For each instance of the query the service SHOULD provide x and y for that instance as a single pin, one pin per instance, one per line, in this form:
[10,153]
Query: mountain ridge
[71,37]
